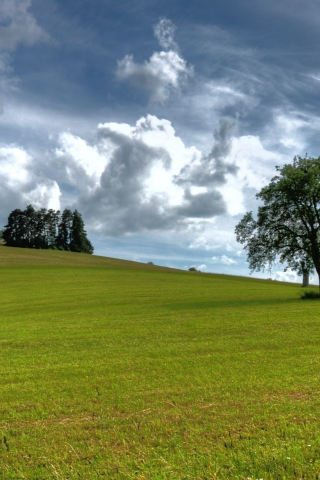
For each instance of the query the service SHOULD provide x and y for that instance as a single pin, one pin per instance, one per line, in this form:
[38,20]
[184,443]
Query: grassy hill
[138,372]
[10,256]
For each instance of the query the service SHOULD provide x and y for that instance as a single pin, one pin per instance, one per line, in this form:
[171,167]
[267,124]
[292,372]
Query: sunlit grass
[132,372]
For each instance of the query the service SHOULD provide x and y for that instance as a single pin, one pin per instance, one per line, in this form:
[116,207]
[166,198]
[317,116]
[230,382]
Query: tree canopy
[287,227]
[47,229]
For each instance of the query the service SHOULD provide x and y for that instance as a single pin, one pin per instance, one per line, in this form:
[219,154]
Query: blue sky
[158,120]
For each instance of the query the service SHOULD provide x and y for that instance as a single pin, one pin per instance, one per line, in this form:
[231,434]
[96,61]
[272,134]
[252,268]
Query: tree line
[47,229]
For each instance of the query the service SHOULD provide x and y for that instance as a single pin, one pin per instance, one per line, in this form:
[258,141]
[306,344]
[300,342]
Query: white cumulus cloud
[164,72]
[288,276]
[224,260]
[142,177]
[125,181]
[255,166]
[20,184]
[203,243]
[83,155]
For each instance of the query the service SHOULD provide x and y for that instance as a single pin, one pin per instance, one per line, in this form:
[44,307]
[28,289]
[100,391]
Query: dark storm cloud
[202,205]
[119,202]
[66,170]
[210,173]
[212,170]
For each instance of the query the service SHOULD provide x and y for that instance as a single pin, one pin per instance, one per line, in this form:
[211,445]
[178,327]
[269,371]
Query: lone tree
[288,224]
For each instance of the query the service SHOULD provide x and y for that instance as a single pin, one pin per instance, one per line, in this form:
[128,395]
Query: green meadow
[119,370]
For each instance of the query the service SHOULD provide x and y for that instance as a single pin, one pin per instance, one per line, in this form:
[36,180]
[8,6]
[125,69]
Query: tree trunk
[305,281]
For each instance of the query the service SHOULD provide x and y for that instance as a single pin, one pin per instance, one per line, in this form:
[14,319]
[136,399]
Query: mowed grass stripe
[155,374]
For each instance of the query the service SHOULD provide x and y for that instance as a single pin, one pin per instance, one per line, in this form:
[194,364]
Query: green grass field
[118,370]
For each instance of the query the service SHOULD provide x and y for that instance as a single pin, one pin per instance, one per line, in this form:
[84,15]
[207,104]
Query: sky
[158,120]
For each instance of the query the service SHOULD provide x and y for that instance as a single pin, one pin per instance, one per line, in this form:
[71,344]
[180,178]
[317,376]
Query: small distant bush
[310,295]
[192,269]
[150,263]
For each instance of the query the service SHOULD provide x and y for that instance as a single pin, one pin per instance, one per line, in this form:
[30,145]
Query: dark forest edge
[47,229]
